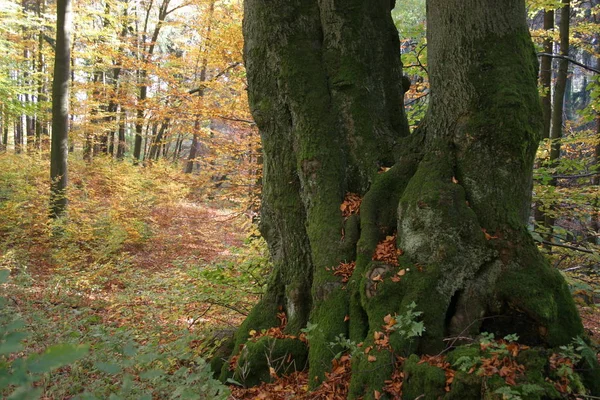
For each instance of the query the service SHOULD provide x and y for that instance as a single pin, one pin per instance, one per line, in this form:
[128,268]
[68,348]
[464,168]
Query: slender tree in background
[556,129]
[60,110]
[546,73]
[546,84]
[146,56]
[325,89]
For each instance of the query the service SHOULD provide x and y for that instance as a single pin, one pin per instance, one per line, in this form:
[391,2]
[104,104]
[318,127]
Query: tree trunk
[325,89]
[3,128]
[60,111]
[546,73]
[5,123]
[18,135]
[122,141]
[556,131]
[189,166]
[143,74]
[546,84]
[41,125]
[158,139]
[595,223]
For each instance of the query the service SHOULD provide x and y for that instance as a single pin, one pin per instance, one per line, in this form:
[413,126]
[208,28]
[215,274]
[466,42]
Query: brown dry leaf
[371,358]
[350,205]
[454,180]
[272,372]
[402,272]
[395,279]
[346,318]
[344,270]
[386,251]
[487,235]
[376,394]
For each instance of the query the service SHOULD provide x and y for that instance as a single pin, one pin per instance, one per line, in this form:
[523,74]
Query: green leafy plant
[342,345]
[19,373]
[407,324]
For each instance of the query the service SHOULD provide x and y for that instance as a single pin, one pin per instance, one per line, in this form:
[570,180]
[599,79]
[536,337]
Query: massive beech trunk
[325,89]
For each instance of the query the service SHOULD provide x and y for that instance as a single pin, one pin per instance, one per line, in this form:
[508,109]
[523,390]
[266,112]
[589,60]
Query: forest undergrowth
[146,266]
[148,272]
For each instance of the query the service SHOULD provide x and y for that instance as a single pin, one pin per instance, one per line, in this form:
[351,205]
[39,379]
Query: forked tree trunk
[325,89]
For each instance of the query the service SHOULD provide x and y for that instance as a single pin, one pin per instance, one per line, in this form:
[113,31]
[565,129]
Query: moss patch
[422,380]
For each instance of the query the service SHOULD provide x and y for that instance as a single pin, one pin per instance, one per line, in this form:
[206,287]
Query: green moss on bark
[422,380]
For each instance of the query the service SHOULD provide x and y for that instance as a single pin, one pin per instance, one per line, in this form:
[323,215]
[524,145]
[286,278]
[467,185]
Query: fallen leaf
[371,358]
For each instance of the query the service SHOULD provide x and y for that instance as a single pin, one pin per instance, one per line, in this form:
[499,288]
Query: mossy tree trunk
[325,88]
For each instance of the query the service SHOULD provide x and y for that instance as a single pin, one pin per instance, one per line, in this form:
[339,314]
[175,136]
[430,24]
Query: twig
[419,58]
[198,317]
[214,78]
[237,120]
[415,99]
[216,303]
[576,176]
[573,268]
[566,246]
[570,60]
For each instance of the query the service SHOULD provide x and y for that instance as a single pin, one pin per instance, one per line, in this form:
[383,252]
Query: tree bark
[189,166]
[60,111]
[595,222]
[546,73]
[18,134]
[4,128]
[122,141]
[158,139]
[556,131]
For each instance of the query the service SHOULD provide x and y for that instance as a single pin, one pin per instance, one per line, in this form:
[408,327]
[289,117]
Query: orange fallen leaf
[371,358]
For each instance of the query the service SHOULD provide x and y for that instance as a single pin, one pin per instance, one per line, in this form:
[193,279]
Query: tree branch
[415,99]
[50,41]
[237,120]
[566,246]
[576,176]
[597,71]
[217,76]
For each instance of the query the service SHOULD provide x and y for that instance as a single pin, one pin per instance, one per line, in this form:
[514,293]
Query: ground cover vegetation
[135,288]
